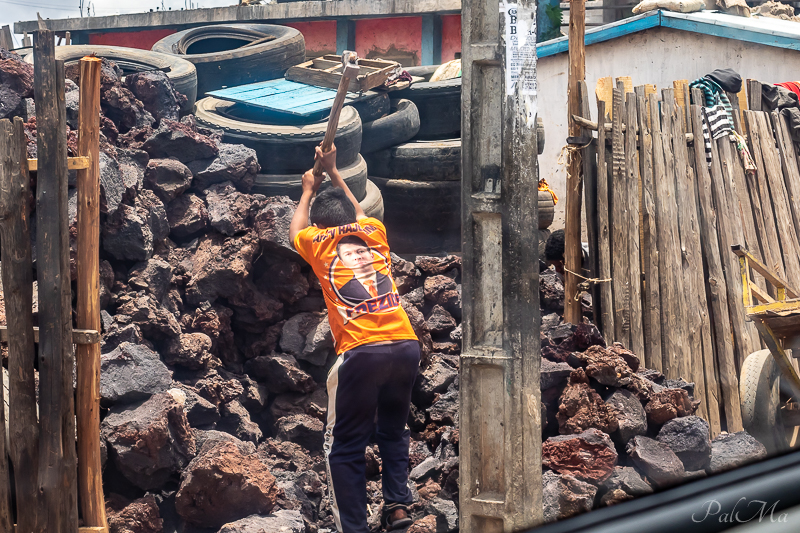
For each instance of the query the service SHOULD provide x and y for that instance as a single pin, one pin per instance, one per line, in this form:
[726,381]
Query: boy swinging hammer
[378,352]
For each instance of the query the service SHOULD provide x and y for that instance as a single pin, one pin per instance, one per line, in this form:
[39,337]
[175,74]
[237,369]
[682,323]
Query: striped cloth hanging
[715,125]
[713,95]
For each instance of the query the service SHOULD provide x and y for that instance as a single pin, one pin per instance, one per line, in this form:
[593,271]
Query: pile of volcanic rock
[613,431]
[216,342]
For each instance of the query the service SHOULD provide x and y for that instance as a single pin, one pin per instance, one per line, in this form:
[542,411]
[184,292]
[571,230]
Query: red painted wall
[134,39]
[397,39]
[451,36]
[320,36]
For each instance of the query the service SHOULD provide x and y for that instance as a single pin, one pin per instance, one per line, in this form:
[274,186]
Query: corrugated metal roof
[760,30]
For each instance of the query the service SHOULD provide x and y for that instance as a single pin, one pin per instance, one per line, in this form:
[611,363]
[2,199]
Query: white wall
[659,56]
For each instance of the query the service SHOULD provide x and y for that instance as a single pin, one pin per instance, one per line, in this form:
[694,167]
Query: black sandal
[390,524]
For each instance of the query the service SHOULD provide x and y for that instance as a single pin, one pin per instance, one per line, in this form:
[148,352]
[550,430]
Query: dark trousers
[370,380]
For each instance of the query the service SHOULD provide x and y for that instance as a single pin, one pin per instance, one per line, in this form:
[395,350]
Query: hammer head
[350,67]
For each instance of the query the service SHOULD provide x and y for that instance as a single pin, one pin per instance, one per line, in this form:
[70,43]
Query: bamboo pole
[90,479]
[572,222]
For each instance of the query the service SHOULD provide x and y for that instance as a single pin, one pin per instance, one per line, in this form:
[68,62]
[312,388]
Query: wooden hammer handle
[333,120]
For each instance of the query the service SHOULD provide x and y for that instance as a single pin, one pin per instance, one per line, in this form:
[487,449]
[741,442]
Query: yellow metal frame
[759,312]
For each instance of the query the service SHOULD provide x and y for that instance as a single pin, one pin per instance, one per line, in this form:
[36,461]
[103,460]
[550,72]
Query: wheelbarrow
[769,385]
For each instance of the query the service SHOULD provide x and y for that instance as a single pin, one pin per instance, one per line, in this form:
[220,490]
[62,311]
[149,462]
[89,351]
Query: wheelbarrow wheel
[760,391]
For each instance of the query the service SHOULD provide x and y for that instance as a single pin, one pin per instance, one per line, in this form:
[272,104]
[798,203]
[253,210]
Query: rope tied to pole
[567,153]
[586,284]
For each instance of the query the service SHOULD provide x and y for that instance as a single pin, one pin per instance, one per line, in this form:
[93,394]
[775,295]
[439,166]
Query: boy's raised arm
[328,160]
[300,218]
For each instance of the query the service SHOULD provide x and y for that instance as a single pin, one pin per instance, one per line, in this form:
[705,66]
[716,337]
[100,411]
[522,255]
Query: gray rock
[132,231]
[168,178]
[132,372]
[440,321]
[627,479]
[154,277]
[426,469]
[549,322]
[174,139]
[435,379]
[199,411]
[679,384]
[553,374]
[132,164]
[283,521]
[656,460]
[236,420]
[190,350]
[271,224]
[155,90]
[564,496]
[187,216]
[151,441]
[280,373]
[294,403]
[446,514]
[415,297]
[731,450]
[631,415]
[235,163]
[445,409]
[301,429]
[455,335]
[308,337]
[207,439]
[118,333]
[112,189]
[690,438]
[229,210]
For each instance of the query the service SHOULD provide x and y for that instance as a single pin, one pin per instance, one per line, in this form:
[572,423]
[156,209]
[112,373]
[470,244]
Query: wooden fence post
[90,479]
[15,234]
[57,457]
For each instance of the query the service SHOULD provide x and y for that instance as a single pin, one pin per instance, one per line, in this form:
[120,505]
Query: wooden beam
[603,232]
[632,227]
[764,270]
[620,267]
[754,95]
[8,153]
[79,336]
[73,163]
[17,273]
[604,91]
[590,203]
[57,479]
[83,529]
[572,221]
[87,409]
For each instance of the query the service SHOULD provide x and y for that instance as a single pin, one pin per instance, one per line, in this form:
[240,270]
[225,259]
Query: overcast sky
[12,11]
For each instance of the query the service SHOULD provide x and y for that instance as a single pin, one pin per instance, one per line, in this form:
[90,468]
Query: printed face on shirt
[356,257]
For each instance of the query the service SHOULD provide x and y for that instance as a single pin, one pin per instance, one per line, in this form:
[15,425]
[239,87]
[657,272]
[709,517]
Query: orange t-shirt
[354,268]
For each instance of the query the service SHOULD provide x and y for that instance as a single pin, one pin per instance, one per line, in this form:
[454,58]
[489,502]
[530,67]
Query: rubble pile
[216,347]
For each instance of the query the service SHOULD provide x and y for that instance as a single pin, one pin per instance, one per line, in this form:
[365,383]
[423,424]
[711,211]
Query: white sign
[520,49]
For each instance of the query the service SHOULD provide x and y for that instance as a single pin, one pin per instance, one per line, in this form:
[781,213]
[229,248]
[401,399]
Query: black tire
[422,217]
[290,185]
[376,105]
[282,149]
[418,161]
[182,73]
[220,62]
[539,135]
[547,209]
[760,396]
[372,204]
[439,106]
[393,129]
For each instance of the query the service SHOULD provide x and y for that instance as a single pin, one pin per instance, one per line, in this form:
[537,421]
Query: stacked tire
[419,173]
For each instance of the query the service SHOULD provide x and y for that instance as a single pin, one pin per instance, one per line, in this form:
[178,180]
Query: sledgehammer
[350,70]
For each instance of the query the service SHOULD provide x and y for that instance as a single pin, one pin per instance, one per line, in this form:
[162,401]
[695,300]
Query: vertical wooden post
[90,481]
[572,217]
[500,486]
[8,156]
[603,231]
[620,268]
[58,458]
[15,195]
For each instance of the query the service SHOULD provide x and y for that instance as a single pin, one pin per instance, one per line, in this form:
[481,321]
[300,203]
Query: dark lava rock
[314,404]
[564,496]
[444,410]
[308,337]
[581,408]
[731,450]
[153,276]
[271,224]
[551,291]
[132,231]
[174,139]
[435,379]
[123,108]
[668,404]
[589,456]
[150,441]
[220,267]
[433,266]
[553,374]
[131,373]
[283,521]
[236,420]
[658,462]
[16,84]
[405,274]
[222,485]
[441,290]
[440,321]
[187,216]
[138,516]
[190,350]
[690,438]
[229,210]
[155,90]
[234,162]
[153,319]
[631,416]
[303,430]
[168,178]
[199,411]
[446,514]
[624,484]
[603,365]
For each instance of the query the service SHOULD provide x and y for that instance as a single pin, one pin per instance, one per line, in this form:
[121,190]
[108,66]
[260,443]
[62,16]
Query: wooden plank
[754,95]
[627,83]
[691,262]
[780,201]
[717,292]
[604,91]
[680,96]
[83,529]
[73,163]
[673,325]
[634,254]
[17,272]
[87,408]
[743,332]
[79,336]
[590,201]
[620,267]
[58,459]
[791,171]
[649,243]
[603,233]
[572,208]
